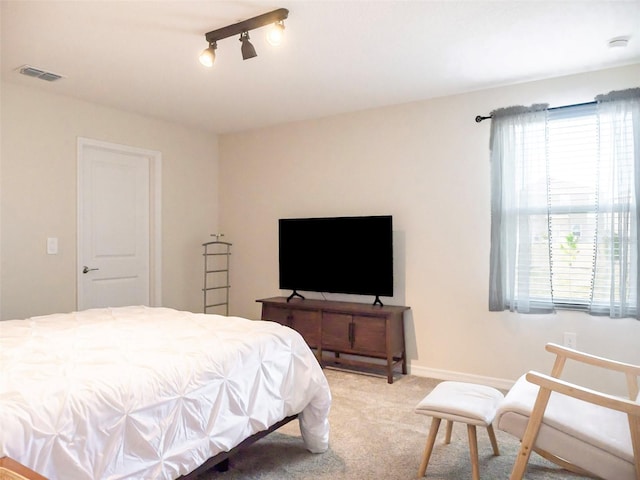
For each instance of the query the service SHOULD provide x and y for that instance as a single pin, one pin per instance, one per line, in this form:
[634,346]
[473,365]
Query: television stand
[293,295]
[358,336]
[377,301]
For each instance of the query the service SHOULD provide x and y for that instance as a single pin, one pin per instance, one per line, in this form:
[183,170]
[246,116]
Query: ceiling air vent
[30,71]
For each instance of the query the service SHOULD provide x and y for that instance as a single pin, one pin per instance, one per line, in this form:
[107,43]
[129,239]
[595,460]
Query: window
[573,202]
[565,188]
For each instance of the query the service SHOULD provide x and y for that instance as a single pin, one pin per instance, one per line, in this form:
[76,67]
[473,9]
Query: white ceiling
[338,56]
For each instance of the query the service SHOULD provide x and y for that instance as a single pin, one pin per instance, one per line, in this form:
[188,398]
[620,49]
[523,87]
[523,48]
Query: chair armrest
[586,394]
[631,372]
[593,359]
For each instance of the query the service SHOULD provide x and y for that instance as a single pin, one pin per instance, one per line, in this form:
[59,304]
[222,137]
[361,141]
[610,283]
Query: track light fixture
[208,55]
[274,35]
[248,51]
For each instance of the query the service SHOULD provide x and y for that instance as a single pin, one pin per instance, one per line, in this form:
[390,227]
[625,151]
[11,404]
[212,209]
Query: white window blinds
[572,157]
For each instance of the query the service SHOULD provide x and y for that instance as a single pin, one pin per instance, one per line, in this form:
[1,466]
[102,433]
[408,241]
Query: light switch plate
[52,246]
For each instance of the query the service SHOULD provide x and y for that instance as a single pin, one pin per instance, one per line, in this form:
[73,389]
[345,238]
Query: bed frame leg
[223,466]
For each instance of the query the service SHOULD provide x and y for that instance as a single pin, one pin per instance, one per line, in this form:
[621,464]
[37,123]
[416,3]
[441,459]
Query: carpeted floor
[375,435]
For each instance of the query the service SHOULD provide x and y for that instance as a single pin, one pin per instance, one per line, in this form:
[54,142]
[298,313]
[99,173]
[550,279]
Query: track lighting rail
[246,25]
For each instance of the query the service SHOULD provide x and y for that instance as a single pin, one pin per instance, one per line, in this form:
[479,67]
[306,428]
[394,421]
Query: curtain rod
[480,118]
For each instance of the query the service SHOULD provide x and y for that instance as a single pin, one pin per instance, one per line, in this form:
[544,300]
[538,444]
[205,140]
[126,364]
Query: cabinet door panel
[307,323]
[276,314]
[335,331]
[369,334]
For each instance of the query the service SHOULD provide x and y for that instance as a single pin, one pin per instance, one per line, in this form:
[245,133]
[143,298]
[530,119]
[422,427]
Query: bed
[150,393]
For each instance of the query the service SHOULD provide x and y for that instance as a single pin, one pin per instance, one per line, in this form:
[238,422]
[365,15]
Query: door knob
[87,269]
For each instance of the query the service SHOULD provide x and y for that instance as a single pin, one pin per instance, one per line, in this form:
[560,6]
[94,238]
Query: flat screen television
[351,255]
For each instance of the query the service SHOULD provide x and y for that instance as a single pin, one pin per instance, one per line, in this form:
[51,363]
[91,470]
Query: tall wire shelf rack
[216,275]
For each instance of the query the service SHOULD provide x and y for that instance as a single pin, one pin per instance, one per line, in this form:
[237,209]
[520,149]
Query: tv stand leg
[377,301]
[294,294]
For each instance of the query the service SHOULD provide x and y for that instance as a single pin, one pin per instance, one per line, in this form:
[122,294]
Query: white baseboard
[499,383]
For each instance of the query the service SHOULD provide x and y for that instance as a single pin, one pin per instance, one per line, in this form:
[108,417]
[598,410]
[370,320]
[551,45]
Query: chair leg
[431,439]
[492,437]
[531,433]
[634,427]
[447,438]
[473,448]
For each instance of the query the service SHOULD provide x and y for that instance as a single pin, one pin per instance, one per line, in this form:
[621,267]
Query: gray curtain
[615,278]
[518,201]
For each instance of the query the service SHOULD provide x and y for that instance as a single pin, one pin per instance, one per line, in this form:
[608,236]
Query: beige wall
[38,197]
[427,164]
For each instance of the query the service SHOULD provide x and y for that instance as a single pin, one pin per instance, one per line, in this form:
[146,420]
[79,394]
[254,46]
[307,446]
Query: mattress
[149,393]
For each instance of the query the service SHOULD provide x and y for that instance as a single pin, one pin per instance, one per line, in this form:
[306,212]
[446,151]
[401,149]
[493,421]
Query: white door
[115,225]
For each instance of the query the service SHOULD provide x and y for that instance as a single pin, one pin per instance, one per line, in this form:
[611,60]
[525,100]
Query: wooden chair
[12,470]
[581,429]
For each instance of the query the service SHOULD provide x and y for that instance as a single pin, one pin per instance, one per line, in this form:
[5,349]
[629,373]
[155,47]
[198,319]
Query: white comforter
[149,393]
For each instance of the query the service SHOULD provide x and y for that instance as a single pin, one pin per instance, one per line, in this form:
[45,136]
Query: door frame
[155,213]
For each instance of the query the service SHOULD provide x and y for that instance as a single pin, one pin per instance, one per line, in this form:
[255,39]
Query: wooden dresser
[345,334]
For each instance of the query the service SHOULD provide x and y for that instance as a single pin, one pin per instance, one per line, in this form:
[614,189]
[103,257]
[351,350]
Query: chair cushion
[592,437]
[461,402]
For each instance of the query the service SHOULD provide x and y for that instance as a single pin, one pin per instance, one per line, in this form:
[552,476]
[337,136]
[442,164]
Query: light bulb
[275,34]
[208,55]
